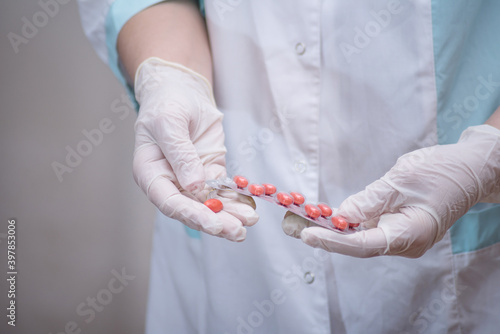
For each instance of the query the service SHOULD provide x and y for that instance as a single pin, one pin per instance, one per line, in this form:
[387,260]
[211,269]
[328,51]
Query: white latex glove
[180,144]
[410,208]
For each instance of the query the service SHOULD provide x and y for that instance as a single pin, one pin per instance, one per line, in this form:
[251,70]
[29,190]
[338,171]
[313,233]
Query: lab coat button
[309,277]
[300,48]
[300,166]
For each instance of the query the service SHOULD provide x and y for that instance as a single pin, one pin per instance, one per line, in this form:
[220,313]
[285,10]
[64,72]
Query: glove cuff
[487,139]
[141,77]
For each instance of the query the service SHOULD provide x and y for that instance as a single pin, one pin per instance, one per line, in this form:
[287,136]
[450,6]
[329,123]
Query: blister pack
[321,213]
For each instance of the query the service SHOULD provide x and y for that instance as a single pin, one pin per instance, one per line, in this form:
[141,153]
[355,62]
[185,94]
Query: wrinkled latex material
[410,208]
[180,144]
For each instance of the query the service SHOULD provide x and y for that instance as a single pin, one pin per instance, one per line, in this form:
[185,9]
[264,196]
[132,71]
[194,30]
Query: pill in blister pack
[321,214]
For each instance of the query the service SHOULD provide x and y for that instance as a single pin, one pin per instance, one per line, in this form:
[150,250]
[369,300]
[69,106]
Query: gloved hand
[410,208]
[180,144]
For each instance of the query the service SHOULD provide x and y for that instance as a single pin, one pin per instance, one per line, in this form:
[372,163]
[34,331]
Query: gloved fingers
[230,194]
[371,223]
[142,135]
[293,224]
[240,206]
[214,165]
[172,136]
[233,229]
[378,198]
[208,140]
[165,195]
[148,164]
[188,209]
[199,217]
[493,198]
[409,233]
[215,169]
[243,212]
[364,244]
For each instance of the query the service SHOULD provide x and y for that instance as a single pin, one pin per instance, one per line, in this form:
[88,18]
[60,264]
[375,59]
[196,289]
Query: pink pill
[214,204]
[256,189]
[298,199]
[240,181]
[326,211]
[269,189]
[339,223]
[312,211]
[285,199]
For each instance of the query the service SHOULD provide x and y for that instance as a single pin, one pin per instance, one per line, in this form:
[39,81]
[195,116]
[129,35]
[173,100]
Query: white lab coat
[322,97]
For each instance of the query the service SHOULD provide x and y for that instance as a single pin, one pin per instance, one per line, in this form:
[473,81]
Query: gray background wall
[70,234]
